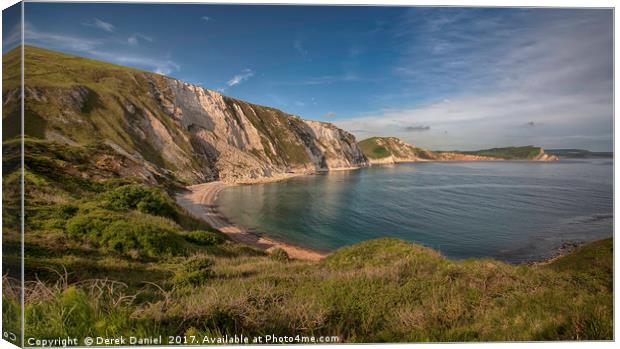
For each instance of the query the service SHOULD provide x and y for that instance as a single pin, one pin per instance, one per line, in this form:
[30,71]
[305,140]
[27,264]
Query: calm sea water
[513,211]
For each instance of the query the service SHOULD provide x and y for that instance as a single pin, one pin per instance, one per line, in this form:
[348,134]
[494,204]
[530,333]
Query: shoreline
[199,201]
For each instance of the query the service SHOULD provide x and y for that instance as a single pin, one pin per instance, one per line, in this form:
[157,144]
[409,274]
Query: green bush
[278,254]
[142,198]
[91,224]
[196,271]
[204,238]
[127,236]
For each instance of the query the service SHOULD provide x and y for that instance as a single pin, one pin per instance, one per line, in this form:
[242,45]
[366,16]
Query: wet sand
[199,201]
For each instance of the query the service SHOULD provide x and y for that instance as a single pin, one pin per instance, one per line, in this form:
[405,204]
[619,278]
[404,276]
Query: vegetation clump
[140,197]
[204,238]
[508,153]
[278,254]
[196,271]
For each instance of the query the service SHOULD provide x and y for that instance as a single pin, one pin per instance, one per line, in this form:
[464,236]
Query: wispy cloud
[330,114]
[97,48]
[205,18]
[241,77]
[416,128]
[59,41]
[12,38]
[159,66]
[135,38]
[98,23]
[490,74]
[327,79]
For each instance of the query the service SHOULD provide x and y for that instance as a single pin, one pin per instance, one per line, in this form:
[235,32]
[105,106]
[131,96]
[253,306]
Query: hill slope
[389,150]
[529,152]
[380,150]
[171,126]
[580,153]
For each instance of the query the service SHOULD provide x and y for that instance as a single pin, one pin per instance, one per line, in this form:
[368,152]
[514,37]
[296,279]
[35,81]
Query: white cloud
[205,18]
[241,77]
[14,37]
[60,41]
[135,38]
[97,23]
[94,49]
[551,67]
[159,66]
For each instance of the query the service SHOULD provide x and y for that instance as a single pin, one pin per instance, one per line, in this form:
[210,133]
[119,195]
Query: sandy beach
[199,201]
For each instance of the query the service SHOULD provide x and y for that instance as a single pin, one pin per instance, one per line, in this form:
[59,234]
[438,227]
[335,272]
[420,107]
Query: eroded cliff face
[242,141]
[171,127]
[542,156]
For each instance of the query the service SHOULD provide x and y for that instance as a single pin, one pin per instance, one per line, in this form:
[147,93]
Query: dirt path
[199,201]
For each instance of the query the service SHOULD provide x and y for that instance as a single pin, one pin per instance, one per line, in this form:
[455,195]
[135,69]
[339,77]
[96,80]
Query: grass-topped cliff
[125,259]
[529,152]
[378,148]
[171,126]
[392,149]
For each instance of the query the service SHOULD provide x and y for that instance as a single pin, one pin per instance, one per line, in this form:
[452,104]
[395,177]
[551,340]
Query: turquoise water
[514,211]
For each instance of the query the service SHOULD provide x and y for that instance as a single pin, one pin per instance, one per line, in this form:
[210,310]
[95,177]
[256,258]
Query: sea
[515,211]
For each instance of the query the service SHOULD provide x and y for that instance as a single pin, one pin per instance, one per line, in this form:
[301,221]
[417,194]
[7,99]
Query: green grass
[382,147]
[509,153]
[88,101]
[372,150]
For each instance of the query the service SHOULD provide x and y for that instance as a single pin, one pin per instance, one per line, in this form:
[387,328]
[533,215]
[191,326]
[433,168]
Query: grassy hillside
[111,255]
[86,101]
[382,147]
[173,126]
[508,153]
[579,153]
[372,150]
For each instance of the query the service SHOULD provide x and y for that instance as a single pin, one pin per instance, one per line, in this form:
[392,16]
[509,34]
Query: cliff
[390,150]
[171,127]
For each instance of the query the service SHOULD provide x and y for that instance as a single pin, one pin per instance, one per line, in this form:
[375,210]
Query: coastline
[199,201]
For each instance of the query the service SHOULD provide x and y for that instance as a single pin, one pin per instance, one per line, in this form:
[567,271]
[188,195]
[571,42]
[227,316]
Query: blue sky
[442,78]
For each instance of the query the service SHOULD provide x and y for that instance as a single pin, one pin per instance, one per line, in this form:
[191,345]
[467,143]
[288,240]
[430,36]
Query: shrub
[204,238]
[278,254]
[145,199]
[147,239]
[91,223]
[196,271]
[125,234]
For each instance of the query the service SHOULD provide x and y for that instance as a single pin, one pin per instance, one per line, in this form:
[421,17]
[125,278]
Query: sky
[440,78]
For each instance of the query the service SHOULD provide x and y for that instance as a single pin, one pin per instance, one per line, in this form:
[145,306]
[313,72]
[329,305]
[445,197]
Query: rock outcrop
[542,156]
